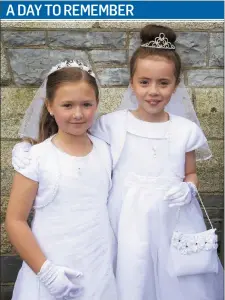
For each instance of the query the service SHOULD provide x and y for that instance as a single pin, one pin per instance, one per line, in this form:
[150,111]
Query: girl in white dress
[154,174]
[67,251]
[154,148]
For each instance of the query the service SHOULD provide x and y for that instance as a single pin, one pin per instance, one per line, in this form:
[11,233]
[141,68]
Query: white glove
[181,194]
[60,281]
[20,155]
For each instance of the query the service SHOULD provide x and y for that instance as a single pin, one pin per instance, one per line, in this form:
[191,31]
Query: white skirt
[145,229]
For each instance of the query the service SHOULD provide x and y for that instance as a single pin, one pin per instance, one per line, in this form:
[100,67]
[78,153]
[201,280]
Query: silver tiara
[70,64]
[160,42]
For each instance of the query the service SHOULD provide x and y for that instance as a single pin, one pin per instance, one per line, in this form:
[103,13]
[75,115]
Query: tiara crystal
[72,64]
[160,42]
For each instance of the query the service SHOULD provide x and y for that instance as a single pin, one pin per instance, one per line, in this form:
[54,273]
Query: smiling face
[73,107]
[153,83]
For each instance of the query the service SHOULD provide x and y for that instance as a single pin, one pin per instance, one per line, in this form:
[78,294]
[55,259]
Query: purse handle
[200,199]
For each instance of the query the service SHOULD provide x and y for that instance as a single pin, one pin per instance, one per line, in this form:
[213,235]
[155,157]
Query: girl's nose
[153,90]
[77,114]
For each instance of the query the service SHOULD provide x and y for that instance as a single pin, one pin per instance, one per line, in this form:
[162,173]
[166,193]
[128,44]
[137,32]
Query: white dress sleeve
[100,129]
[196,138]
[31,170]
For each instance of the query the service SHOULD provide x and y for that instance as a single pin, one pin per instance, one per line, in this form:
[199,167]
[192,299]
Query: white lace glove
[20,155]
[60,281]
[181,194]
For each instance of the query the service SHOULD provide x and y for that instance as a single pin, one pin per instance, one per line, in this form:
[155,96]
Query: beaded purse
[193,253]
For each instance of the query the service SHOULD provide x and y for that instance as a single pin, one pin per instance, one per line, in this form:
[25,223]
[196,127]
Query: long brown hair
[149,33]
[48,125]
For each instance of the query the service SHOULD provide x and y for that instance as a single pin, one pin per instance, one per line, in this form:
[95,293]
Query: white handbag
[193,253]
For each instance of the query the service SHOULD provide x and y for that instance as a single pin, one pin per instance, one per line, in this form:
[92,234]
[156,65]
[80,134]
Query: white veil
[29,127]
[180,104]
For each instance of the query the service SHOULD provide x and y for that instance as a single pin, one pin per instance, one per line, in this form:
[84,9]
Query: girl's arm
[60,281]
[23,193]
[190,168]
[183,192]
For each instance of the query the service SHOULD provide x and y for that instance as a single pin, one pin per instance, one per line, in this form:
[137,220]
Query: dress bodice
[147,149]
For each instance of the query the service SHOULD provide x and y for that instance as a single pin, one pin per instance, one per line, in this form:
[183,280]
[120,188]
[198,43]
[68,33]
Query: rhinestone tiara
[160,42]
[70,64]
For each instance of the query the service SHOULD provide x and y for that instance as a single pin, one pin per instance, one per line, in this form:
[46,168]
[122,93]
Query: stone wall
[28,49]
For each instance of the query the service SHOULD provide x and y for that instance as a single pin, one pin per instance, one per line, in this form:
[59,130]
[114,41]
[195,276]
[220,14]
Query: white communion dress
[151,161]
[71,222]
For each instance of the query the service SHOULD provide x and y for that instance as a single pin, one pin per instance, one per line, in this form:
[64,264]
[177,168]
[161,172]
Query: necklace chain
[166,136]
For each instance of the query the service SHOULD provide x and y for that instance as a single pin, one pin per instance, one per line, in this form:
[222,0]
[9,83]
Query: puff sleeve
[196,138]
[31,170]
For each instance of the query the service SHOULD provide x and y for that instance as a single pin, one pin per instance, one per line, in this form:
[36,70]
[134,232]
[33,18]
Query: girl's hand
[60,281]
[181,194]
[20,155]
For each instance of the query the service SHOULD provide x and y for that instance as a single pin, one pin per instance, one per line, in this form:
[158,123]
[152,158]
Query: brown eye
[67,105]
[143,82]
[87,104]
[164,83]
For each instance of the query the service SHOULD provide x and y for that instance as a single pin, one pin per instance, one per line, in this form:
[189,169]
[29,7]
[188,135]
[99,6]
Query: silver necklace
[166,136]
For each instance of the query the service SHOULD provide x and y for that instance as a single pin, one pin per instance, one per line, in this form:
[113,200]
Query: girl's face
[74,107]
[153,83]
